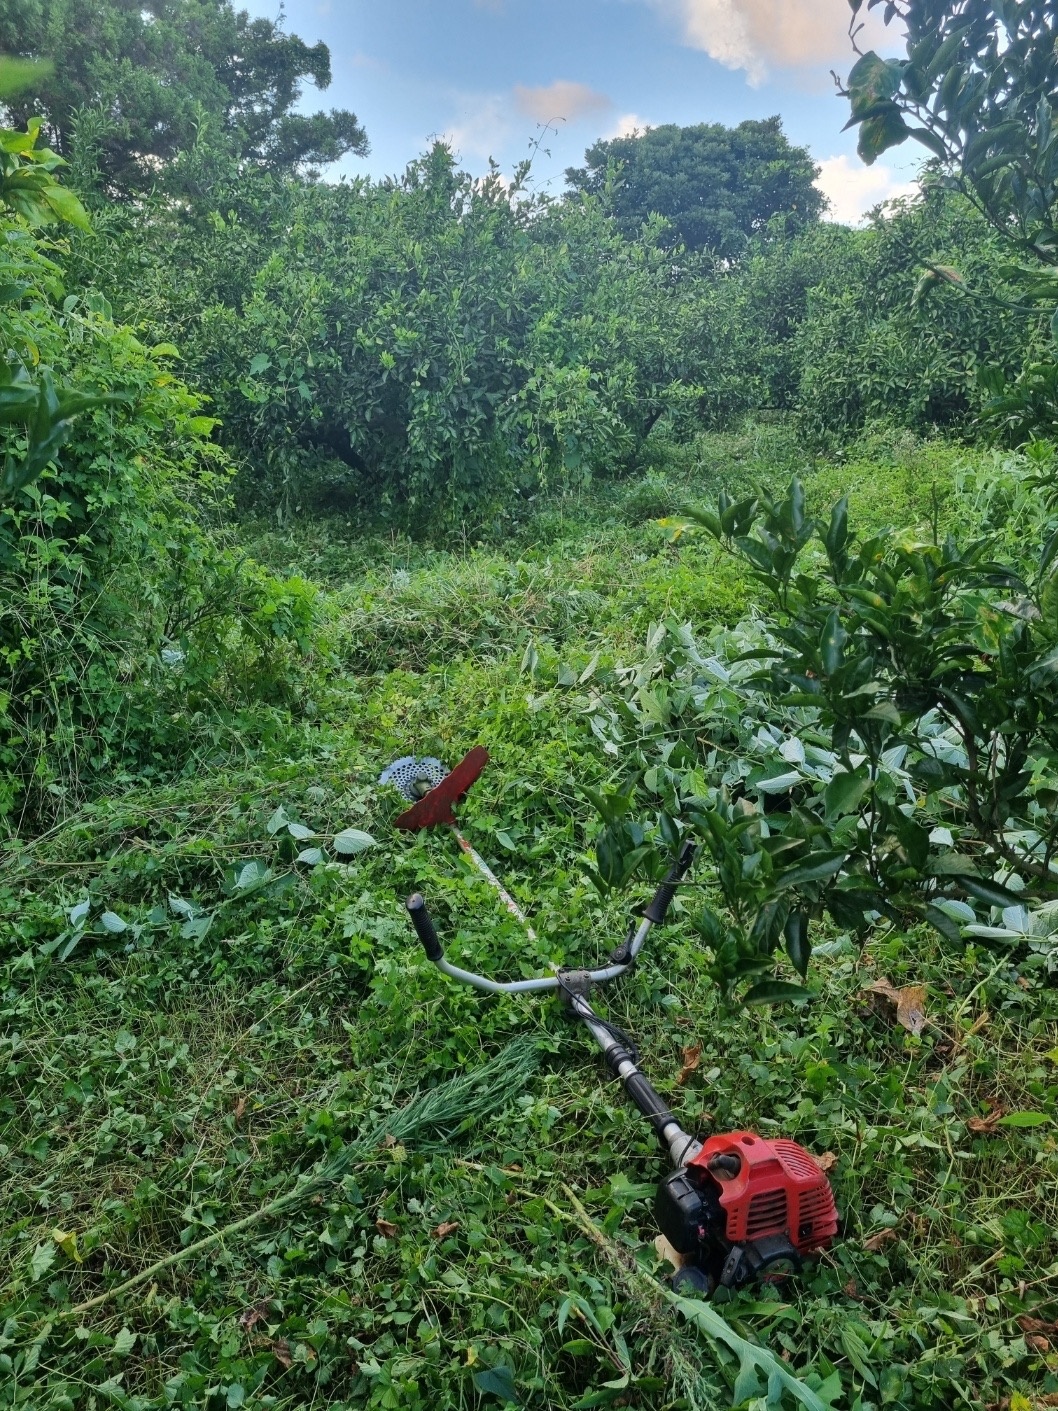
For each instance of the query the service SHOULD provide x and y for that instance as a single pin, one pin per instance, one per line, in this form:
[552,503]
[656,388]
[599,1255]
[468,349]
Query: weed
[241,1018]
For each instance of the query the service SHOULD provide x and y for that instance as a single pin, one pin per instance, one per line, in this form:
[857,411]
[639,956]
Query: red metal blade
[436,806]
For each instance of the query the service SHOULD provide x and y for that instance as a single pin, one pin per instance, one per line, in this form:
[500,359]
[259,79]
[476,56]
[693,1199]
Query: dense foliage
[299,477]
[421,350]
[127,632]
[716,186]
[133,86]
[979,82]
[890,749]
[231,1025]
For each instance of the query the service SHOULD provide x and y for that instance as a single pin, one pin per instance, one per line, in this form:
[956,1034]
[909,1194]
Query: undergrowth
[193,1022]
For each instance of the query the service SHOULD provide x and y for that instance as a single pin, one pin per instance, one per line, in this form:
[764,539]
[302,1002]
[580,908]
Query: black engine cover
[688,1214]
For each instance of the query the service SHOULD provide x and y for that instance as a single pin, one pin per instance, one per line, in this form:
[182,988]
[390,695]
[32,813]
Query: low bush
[130,637]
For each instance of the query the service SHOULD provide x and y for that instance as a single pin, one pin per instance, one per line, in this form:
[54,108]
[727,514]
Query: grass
[165,1080]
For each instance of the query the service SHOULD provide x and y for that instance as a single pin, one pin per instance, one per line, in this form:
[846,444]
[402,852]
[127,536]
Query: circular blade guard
[435,807]
[413,778]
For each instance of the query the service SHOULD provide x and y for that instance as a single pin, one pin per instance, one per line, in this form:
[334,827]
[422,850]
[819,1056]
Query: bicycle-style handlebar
[621,961]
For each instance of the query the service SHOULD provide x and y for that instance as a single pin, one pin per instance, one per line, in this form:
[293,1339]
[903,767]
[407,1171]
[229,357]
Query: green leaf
[113,923]
[942,922]
[777,992]
[872,80]
[856,1351]
[777,783]
[498,1382]
[879,133]
[278,820]
[707,1320]
[846,791]
[832,643]
[818,867]
[124,1342]
[352,841]
[66,206]
[747,1383]
[990,892]
[798,944]
[260,362]
[250,875]
[311,857]
[43,1259]
[1024,1119]
[837,535]
[300,832]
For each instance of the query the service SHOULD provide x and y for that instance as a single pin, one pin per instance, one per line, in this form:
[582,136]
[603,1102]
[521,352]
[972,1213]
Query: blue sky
[487,73]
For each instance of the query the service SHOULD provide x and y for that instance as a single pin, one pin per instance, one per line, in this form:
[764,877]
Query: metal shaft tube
[682,1147]
[493,881]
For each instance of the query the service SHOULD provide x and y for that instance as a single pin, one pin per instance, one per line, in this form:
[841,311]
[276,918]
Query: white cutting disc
[413,777]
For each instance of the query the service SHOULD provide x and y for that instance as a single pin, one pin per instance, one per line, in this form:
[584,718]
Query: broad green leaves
[979,85]
[47,411]
[884,754]
[28,184]
[871,86]
[352,841]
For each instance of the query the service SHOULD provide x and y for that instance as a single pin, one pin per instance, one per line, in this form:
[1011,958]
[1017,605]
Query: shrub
[126,631]
[883,749]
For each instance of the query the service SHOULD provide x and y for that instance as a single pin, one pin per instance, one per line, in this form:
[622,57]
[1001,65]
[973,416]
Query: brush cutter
[737,1206]
[432,791]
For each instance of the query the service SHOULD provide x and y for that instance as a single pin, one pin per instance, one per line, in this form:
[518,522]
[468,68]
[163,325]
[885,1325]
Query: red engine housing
[779,1189]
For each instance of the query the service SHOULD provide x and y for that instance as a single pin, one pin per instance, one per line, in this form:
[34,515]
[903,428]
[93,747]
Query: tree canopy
[977,89]
[142,82]
[717,185]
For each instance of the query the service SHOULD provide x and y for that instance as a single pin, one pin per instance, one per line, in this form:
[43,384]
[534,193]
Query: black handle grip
[662,898]
[424,927]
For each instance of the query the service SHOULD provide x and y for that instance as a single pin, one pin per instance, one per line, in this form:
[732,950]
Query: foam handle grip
[424,927]
[662,898]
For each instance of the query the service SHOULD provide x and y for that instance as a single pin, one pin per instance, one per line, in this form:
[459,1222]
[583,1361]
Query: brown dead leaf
[386,1229]
[981,1022]
[250,1317]
[389,1140]
[239,1110]
[692,1058]
[281,1352]
[880,1240]
[827,1161]
[909,1003]
[444,1228]
[1037,1343]
[852,1290]
[1036,1325]
[985,1126]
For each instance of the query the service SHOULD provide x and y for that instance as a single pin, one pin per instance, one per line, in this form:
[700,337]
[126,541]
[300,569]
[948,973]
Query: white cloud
[561,99]
[481,128]
[625,126]
[759,35]
[854,189]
